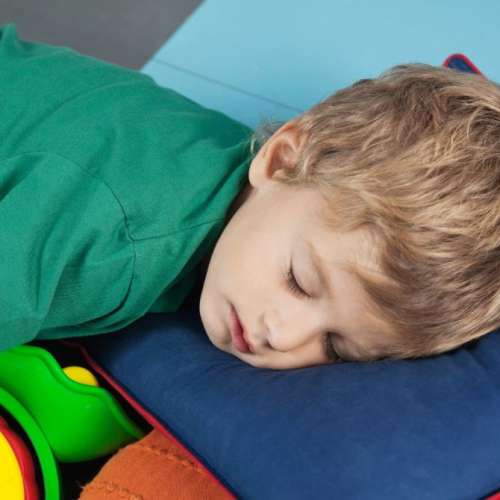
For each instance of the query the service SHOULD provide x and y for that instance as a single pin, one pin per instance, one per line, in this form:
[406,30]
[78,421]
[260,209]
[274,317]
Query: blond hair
[414,157]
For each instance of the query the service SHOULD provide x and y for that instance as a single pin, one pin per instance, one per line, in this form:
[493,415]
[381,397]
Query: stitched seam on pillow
[156,450]
[112,487]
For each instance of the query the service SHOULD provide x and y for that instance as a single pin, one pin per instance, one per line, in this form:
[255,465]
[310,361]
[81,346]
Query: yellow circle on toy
[81,375]
[11,478]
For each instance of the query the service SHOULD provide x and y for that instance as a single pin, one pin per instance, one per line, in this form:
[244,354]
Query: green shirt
[112,190]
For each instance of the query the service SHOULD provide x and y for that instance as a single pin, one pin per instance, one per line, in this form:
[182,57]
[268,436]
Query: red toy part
[24,459]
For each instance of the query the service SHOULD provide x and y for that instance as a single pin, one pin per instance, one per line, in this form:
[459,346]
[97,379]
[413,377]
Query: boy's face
[275,228]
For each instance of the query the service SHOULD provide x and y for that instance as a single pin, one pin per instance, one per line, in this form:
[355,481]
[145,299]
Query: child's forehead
[358,248]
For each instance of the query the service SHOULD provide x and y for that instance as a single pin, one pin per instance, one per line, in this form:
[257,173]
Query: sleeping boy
[367,227]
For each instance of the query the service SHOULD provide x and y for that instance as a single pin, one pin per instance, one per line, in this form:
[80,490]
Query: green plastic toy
[65,414]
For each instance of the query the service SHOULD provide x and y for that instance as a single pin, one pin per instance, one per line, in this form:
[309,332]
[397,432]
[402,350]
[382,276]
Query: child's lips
[238,333]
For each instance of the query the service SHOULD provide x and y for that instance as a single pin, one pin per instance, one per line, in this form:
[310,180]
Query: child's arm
[111,190]
[65,255]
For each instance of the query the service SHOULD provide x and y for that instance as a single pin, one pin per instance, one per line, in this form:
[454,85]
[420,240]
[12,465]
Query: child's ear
[287,142]
[280,151]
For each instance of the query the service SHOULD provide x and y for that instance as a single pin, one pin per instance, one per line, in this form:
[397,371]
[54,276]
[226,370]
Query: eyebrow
[318,266]
[325,283]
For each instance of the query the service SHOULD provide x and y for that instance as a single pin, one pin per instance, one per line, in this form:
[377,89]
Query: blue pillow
[418,429]
[426,428]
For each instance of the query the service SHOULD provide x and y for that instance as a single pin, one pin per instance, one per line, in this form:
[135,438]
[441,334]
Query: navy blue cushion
[426,428]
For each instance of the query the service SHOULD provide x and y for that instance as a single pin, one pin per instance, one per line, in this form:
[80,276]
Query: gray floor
[125,32]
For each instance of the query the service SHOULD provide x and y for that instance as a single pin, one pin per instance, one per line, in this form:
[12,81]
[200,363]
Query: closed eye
[327,339]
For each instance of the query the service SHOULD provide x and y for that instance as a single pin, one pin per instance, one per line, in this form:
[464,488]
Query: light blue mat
[274,59]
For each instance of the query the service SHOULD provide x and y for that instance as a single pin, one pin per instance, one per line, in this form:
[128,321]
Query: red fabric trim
[144,413]
[495,496]
[465,59]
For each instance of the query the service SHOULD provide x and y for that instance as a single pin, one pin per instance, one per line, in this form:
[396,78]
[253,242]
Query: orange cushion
[153,467]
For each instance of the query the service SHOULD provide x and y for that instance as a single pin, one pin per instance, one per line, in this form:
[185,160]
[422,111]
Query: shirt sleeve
[65,254]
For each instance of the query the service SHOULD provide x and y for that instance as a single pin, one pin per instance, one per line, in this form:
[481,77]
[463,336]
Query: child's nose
[293,332]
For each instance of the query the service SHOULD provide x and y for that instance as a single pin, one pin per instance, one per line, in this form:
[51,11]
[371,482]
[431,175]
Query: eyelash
[297,290]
